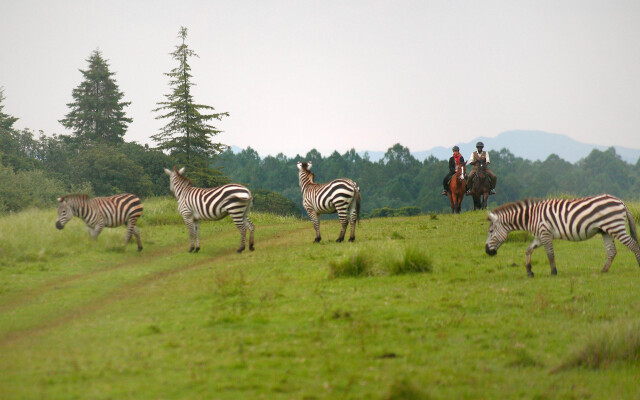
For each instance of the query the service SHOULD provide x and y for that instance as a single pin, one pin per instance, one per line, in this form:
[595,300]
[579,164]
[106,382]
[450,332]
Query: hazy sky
[335,75]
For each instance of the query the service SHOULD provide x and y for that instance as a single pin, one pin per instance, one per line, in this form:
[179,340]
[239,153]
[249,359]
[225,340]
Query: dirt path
[127,290]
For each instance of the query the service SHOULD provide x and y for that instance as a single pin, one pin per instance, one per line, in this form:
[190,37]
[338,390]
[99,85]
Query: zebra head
[497,235]
[174,177]
[65,213]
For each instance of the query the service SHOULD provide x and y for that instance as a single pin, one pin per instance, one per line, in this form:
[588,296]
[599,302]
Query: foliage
[413,261]
[395,212]
[272,202]
[23,189]
[97,112]
[188,134]
[400,182]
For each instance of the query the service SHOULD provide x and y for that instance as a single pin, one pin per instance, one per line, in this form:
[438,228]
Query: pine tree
[188,135]
[97,112]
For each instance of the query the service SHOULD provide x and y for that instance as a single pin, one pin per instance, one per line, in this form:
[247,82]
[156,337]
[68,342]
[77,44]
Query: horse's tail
[632,224]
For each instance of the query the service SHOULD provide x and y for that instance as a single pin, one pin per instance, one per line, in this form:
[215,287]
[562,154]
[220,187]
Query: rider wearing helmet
[456,159]
[477,157]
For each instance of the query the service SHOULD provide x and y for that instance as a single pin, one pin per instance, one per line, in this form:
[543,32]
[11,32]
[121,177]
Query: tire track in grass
[30,295]
[128,290]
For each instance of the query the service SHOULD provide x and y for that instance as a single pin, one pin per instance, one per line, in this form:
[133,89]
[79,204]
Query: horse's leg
[453,206]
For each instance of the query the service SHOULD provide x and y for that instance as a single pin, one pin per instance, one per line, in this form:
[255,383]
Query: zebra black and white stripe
[100,212]
[206,204]
[570,219]
[340,195]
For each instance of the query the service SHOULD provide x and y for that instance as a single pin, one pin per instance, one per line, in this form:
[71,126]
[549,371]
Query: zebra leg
[315,217]
[534,245]
[548,246]
[136,233]
[251,228]
[188,221]
[196,233]
[95,231]
[352,221]
[242,227]
[611,251]
[344,221]
[628,241]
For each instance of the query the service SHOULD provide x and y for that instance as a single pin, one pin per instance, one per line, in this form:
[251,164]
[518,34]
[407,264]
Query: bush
[358,264]
[275,203]
[395,212]
[617,344]
[413,261]
[27,189]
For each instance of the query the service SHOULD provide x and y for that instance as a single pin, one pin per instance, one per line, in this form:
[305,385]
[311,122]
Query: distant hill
[530,145]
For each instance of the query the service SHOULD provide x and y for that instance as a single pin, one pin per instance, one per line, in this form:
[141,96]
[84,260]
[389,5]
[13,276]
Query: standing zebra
[196,204]
[100,212]
[577,219]
[340,195]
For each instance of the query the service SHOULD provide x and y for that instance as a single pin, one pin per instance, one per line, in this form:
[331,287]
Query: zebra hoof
[251,247]
[353,239]
[140,248]
[240,250]
[191,249]
[317,240]
[338,240]
[197,249]
[554,272]
[530,274]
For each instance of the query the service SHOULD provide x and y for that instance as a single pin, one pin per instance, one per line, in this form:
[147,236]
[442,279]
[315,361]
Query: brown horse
[480,188]
[457,188]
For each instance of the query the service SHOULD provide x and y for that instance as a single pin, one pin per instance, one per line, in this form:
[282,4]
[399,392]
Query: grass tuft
[404,390]
[413,261]
[620,343]
[353,265]
[519,237]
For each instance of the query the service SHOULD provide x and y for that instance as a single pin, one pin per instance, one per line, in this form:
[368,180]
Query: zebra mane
[175,169]
[505,208]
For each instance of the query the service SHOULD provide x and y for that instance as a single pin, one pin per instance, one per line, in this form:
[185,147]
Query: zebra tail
[358,199]
[632,225]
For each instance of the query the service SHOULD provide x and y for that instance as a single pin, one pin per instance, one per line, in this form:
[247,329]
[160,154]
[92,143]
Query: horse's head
[496,236]
[461,170]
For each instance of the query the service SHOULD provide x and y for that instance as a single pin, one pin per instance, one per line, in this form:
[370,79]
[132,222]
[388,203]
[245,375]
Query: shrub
[620,343]
[358,264]
[413,261]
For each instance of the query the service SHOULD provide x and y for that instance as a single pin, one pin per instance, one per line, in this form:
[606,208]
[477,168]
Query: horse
[457,188]
[480,188]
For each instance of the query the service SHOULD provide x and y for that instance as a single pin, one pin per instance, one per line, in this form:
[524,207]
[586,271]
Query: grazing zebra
[196,204]
[100,212]
[340,195]
[577,219]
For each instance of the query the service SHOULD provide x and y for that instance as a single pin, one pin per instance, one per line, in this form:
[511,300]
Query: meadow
[414,309]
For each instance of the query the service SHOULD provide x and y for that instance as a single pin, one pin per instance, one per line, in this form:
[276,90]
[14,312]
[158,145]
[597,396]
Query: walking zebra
[196,204]
[577,219]
[100,212]
[340,195]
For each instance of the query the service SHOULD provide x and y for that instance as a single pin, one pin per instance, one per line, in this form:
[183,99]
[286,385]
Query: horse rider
[476,158]
[455,160]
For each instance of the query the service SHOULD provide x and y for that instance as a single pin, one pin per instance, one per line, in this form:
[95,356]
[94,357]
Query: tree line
[95,159]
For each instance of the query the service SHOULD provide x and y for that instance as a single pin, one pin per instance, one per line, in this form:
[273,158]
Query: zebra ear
[492,217]
[59,199]
[308,165]
[181,171]
[167,171]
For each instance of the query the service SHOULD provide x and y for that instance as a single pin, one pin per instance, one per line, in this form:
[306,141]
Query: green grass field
[414,309]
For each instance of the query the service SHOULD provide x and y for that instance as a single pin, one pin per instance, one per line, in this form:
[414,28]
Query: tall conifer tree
[188,134]
[97,111]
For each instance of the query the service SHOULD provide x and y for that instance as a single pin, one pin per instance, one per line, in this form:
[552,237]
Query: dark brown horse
[480,188]
[457,188]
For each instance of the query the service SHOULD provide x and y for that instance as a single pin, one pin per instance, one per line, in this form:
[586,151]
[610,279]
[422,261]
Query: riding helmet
[456,148]
[480,144]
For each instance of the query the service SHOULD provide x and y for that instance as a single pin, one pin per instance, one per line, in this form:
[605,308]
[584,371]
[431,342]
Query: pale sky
[335,75]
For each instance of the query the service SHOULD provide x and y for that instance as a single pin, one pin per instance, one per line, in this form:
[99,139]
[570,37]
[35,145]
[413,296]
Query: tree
[188,134]
[97,112]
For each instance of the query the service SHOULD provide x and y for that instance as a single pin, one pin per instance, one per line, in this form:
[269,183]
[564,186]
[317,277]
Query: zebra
[196,204]
[100,212]
[570,219]
[340,195]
